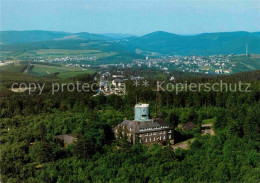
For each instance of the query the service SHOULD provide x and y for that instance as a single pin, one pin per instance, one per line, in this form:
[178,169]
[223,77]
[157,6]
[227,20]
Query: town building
[145,130]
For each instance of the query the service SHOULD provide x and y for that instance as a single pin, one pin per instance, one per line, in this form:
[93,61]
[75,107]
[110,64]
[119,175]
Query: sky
[131,16]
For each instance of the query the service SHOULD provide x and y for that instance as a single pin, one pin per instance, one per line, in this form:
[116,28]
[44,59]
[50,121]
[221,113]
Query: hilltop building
[145,130]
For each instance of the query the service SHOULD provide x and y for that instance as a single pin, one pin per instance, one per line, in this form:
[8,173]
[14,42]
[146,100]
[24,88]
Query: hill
[16,37]
[13,37]
[117,36]
[157,42]
[201,44]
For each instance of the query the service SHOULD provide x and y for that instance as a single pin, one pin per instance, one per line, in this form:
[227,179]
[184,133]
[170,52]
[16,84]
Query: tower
[246,49]
[141,112]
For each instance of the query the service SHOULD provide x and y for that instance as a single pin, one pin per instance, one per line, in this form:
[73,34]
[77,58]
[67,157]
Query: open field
[71,74]
[14,67]
[39,69]
[255,55]
[246,63]
[4,53]
[60,71]
[54,53]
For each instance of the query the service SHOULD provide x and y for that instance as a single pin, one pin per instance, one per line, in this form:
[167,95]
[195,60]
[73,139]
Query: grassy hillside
[43,70]
[54,53]
[13,37]
[156,42]
[201,44]
[245,63]
[102,50]
[60,72]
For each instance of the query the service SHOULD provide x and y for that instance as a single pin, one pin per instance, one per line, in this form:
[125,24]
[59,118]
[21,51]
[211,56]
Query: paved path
[185,144]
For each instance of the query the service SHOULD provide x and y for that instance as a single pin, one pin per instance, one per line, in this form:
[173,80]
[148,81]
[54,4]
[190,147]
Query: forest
[31,152]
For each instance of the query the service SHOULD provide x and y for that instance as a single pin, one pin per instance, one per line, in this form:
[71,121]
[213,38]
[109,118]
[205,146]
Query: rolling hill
[16,37]
[157,42]
[201,44]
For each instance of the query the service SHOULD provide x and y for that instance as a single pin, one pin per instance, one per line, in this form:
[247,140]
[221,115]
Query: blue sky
[131,16]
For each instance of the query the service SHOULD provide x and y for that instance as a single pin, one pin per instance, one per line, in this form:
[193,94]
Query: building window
[140,140]
[150,139]
[146,134]
[145,139]
[170,136]
[154,139]
[170,131]
[163,137]
[160,138]
[154,133]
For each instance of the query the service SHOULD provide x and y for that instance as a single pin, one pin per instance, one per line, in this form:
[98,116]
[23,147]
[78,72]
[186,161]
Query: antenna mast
[246,49]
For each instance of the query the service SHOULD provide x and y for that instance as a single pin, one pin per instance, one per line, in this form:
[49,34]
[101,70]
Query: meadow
[45,70]
[54,53]
[246,63]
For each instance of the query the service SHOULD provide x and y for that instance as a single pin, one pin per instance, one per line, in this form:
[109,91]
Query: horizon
[131,17]
[129,33]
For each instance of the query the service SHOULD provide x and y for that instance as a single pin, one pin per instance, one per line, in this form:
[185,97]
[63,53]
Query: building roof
[207,125]
[142,105]
[69,138]
[156,124]
[188,126]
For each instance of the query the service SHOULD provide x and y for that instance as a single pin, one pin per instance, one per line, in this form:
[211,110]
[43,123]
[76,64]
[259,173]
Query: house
[117,82]
[226,71]
[172,78]
[136,78]
[118,77]
[144,130]
[188,126]
[207,129]
[68,139]
[218,71]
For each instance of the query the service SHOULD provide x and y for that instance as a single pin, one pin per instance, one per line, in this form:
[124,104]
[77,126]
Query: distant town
[213,64]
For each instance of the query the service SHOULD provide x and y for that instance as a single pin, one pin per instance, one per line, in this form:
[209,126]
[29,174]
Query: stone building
[145,130]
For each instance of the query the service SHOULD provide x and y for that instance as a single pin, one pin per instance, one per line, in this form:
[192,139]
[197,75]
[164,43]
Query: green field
[246,63]
[60,71]
[249,66]
[39,69]
[14,67]
[5,53]
[55,53]
[71,74]
[255,55]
